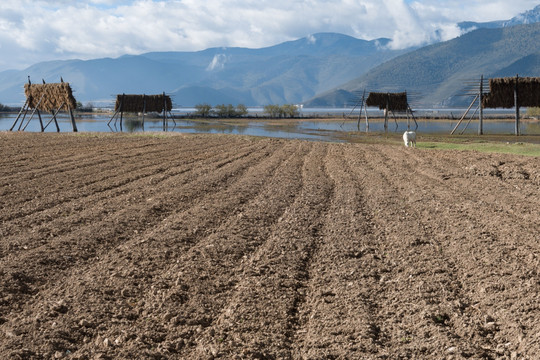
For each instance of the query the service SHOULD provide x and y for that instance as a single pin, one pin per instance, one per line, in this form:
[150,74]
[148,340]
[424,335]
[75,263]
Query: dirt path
[202,247]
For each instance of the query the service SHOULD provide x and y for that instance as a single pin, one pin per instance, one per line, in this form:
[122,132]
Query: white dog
[409,137]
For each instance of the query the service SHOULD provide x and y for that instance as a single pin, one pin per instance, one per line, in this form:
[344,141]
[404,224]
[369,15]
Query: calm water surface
[310,130]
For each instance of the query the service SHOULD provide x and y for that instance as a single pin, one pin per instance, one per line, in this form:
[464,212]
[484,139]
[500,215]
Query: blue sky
[40,30]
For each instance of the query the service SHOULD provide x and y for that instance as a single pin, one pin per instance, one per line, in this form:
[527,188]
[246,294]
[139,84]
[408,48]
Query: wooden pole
[24,117]
[55,121]
[367,119]
[464,115]
[164,112]
[360,114]
[40,121]
[111,119]
[26,111]
[121,111]
[386,113]
[54,117]
[18,116]
[73,123]
[361,107]
[395,120]
[144,110]
[33,112]
[516,103]
[172,118]
[412,115]
[470,119]
[481,97]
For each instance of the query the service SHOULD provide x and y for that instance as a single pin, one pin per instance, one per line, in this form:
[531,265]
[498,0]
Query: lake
[296,129]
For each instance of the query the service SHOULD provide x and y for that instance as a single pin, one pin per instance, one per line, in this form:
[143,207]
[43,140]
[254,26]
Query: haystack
[501,92]
[49,97]
[394,101]
[135,103]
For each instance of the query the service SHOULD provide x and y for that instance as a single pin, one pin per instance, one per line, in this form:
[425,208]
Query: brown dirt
[202,247]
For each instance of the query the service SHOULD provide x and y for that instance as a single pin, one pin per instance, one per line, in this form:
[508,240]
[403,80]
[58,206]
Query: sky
[32,31]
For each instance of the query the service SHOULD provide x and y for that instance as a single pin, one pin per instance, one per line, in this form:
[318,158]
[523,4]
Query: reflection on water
[313,130]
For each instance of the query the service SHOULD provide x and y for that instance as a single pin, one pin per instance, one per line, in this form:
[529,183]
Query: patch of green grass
[515,148]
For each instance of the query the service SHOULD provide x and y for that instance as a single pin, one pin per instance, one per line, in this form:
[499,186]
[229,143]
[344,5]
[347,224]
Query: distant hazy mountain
[436,74]
[290,72]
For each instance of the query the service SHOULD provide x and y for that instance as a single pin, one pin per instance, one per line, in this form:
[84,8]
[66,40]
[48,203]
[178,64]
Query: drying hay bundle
[52,96]
[501,92]
[394,101]
[135,103]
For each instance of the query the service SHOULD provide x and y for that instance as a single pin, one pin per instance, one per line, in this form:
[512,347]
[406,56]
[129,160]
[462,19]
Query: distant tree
[203,110]
[290,110]
[84,108]
[225,111]
[533,111]
[241,110]
[277,111]
[273,111]
[4,108]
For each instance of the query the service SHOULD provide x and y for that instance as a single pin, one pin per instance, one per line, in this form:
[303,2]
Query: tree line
[5,108]
[230,111]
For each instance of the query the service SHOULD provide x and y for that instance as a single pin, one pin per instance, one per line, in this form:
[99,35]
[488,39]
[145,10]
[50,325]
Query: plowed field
[203,247]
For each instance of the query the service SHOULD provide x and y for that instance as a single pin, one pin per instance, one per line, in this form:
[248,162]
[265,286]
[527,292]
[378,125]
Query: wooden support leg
[54,118]
[144,110]
[164,113]
[367,119]
[470,119]
[18,116]
[464,115]
[73,123]
[40,121]
[22,120]
[412,115]
[386,120]
[172,118]
[33,112]
[395,120]
[516,103]
[56,121]
[111,119]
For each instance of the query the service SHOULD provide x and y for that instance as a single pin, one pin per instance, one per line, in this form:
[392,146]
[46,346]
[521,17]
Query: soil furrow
[264,311]
[206,247]
[341,295]
[107,232]
[91,183]
[434,303]
[115,187]
[172,280]
[460,310]
[477,176]
[49,161]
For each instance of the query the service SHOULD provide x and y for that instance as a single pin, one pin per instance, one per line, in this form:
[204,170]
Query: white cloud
[38,30]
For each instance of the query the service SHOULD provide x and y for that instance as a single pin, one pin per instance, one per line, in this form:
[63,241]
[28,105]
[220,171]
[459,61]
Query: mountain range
[291,72]
[528,17]
[325,69]
[436,75]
